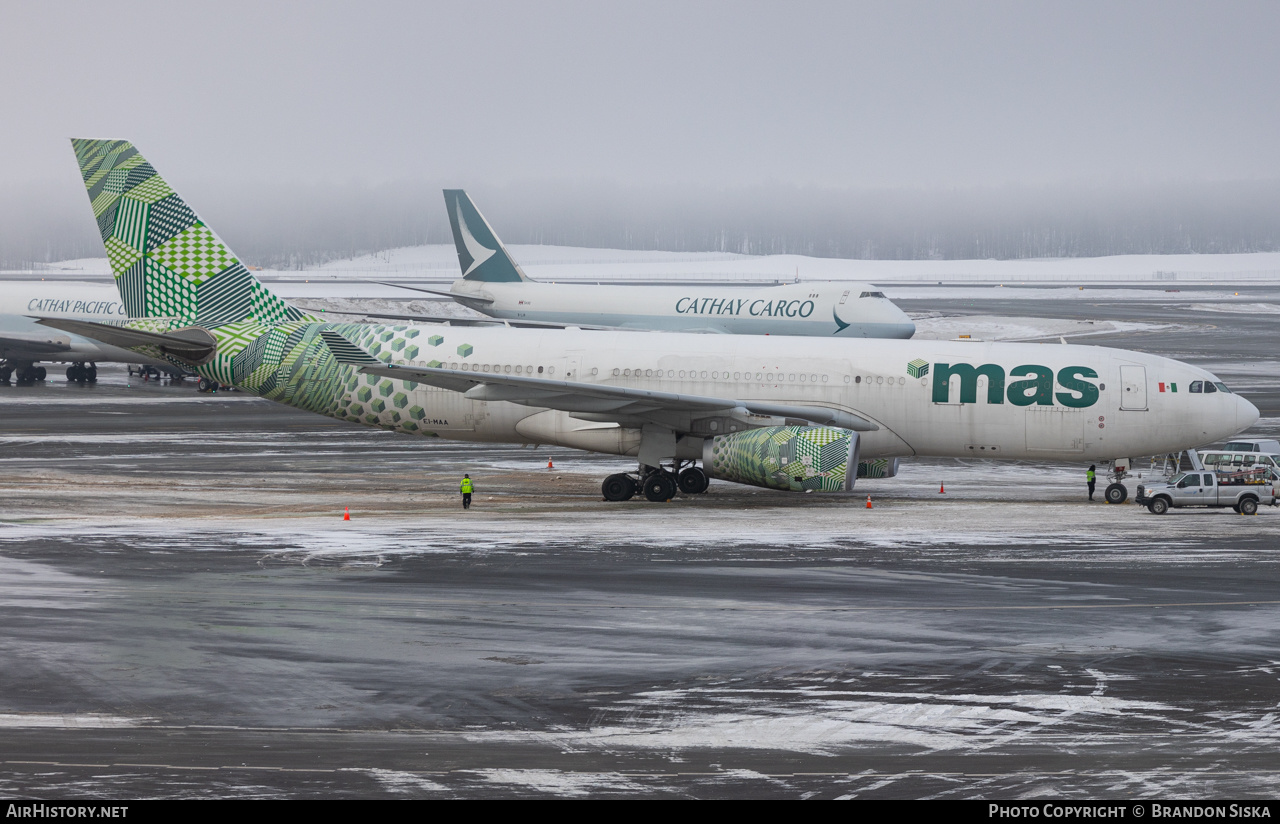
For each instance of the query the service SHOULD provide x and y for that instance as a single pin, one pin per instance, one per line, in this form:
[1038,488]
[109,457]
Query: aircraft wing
[592,401]
[438,292]
[33,344]
[452,321]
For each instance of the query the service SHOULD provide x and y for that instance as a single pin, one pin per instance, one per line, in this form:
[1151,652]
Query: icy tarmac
[184,613]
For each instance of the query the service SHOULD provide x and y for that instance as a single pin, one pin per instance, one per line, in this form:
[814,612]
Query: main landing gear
[24,374]
[81,373]
[657,483]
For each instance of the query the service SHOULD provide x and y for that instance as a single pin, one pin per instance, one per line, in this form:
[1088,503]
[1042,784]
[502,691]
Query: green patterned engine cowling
[881,468]
[795,458]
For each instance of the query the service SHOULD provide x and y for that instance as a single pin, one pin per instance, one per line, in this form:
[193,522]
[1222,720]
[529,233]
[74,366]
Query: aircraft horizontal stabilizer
[192,344]
[596,399]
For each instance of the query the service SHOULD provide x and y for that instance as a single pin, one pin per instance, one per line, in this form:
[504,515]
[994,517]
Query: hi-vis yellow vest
[466,485]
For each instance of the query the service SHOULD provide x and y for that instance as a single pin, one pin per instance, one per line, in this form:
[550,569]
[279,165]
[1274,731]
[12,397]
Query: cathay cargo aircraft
[24,344]
[494,284]
[788,413]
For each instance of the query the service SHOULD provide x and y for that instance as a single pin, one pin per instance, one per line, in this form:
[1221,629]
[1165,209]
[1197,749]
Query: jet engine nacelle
[796,458]
[881,468]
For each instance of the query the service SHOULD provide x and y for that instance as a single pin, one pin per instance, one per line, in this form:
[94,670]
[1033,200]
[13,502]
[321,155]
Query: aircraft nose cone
[903,326]
[1246,414]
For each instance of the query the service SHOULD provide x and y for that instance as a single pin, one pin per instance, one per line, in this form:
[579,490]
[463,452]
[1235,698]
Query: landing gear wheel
[618,488]
[40,373]
[73,373]
[659,487]
[1116,494]
[1248,507]
[693,481]
[1158,506]
[205,385]
[91,373]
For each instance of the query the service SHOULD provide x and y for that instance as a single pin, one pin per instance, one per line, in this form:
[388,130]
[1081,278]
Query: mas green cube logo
[465,349]
[435,340]
[918,368]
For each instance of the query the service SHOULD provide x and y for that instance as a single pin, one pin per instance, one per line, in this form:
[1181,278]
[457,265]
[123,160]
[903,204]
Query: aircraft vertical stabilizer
[167,263]
[480,253]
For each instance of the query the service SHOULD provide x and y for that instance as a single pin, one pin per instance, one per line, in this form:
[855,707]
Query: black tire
[659,487]
[72,373]
[204,385]
[91,373]
[693,481]
[1158,506]
[1116,494]
[1249,506]
[41,373]
[618,488]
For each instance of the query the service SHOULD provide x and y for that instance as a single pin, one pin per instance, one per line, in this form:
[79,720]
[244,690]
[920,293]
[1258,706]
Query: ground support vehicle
[1242,491]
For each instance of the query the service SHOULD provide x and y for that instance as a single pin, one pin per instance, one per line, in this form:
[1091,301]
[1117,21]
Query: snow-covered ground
[557,263]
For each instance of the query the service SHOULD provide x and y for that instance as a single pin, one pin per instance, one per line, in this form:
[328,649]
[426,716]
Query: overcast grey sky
[824,93]
[310,127]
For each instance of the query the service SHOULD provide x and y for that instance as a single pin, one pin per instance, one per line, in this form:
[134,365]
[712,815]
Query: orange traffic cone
[549,466]
[868,502]
[346,513]
[942,489]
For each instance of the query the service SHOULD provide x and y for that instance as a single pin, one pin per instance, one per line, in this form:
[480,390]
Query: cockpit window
[1197,387]
[871,295]
[1222,387]
[1209,387]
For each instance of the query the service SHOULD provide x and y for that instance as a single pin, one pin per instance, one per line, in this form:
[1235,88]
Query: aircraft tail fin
[167,263]
[480,253]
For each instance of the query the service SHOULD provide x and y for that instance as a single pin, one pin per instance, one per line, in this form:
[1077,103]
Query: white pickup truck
[1243,491]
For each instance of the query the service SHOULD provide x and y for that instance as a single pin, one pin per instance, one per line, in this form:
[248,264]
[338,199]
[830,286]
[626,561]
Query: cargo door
[1133,385]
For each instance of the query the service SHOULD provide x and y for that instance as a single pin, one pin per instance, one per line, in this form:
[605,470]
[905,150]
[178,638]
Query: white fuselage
[830,309]
[22,339]
[1121,413]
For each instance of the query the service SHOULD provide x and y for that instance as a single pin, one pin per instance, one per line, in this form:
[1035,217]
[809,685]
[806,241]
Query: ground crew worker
[467,489]
[1092,477]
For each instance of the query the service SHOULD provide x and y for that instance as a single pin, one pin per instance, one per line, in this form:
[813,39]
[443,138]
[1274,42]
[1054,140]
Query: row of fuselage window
[687,374]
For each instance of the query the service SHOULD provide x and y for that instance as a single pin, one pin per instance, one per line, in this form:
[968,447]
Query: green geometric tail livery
[172,272]
[166,261]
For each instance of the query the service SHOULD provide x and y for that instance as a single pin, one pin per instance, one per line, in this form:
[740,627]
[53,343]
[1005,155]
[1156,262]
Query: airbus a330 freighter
[787,413]
[494,284]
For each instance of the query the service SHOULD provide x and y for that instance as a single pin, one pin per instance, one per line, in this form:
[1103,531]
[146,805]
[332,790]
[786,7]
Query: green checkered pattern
[795,458]
[170,267]
[142,219]
[196,254]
